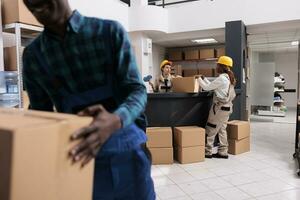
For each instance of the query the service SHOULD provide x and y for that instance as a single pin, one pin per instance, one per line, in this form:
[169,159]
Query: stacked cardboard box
[207,53]
[191,54]
[189,144]
[34,161]
[10,58]
[220,52]
[175,55]
[238,137]
[14,11]
[176,70]
[185,84]
[160,145]
[190,72]
[207,72]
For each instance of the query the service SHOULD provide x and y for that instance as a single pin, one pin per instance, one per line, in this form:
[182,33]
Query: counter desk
[178,109]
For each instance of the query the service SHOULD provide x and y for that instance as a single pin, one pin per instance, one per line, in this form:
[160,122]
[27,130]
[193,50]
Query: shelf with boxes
[20,28]
[191,61]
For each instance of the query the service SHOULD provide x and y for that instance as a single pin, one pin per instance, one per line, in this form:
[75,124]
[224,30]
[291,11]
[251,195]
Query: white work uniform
[219,113]
[160,83]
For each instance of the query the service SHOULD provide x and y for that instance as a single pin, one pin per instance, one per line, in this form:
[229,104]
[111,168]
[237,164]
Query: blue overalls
[122,168]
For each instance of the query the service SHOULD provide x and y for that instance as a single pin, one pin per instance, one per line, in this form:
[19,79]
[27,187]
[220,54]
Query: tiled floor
[265,173]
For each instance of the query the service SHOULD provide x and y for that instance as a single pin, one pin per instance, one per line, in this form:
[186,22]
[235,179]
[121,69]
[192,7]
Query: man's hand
[94,135]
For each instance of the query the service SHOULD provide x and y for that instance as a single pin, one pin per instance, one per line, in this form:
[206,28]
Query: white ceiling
[263,37]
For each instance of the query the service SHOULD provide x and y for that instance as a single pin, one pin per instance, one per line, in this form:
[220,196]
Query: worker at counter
[164,82]
[224,94]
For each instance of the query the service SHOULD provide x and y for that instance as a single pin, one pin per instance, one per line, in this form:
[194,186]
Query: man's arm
[128,78]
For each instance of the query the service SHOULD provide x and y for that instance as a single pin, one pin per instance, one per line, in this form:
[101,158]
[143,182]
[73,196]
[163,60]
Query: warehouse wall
[286,63]
[159,53]
[108,9]
[207,14]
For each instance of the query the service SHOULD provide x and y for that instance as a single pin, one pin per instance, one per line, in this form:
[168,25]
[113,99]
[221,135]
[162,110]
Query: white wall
[152,18]
[287,65]
[206,14]
[107,9]
[158,56]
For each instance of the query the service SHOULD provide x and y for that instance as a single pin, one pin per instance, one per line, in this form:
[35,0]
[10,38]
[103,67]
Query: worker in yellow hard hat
[224,94]
[164,82]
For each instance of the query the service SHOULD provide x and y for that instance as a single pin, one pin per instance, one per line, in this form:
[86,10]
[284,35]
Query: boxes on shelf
[185,84]
[10,58]
[191,54]
[14,11]
[189,144]
[238,137]
[34,162]
[207,72]
[207,53]
[220,52]
[175,55]
[190,72]
[176,70]
[160,144]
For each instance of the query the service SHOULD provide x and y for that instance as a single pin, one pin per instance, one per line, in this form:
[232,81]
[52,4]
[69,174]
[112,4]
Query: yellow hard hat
[225,60]
[165,62]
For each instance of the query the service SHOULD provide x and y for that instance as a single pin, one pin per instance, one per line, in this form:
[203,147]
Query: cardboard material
[185,84]
[175,55]
[191,54]
[14,11]
[189,136]
[25,100]
[159,137]
[207,53]
[176,70]
[220,52]
[162,156]
[34,161]
[190,72]
[238,129]
[207,72]
[190,154]
[239,146]
[10,58]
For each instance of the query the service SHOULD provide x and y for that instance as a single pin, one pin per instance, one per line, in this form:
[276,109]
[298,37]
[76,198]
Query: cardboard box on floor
[238,146]
[161,156]
[186,155]
[185,84]
[189,136]
[14,11]
[10,58]
[238,130]
[190,144]
[159,137]
[34,161]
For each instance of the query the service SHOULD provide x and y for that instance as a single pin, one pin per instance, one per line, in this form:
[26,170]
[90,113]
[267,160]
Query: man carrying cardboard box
[86,64]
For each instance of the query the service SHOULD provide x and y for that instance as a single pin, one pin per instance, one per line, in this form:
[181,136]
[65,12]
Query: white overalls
[219,113]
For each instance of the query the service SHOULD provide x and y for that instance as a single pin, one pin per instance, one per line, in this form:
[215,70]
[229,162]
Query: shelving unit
[23,33]
[278,109]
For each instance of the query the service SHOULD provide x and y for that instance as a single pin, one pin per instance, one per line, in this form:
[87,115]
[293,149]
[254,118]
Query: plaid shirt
[80,61]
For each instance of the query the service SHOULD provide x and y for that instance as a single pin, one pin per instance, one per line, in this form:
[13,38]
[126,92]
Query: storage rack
[26,33]
[296,155]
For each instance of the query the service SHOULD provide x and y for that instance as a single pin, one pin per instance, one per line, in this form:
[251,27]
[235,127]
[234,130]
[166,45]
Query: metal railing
[164,3]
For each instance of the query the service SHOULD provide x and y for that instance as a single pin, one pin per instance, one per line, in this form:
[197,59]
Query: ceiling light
[205,41]
[295,43]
